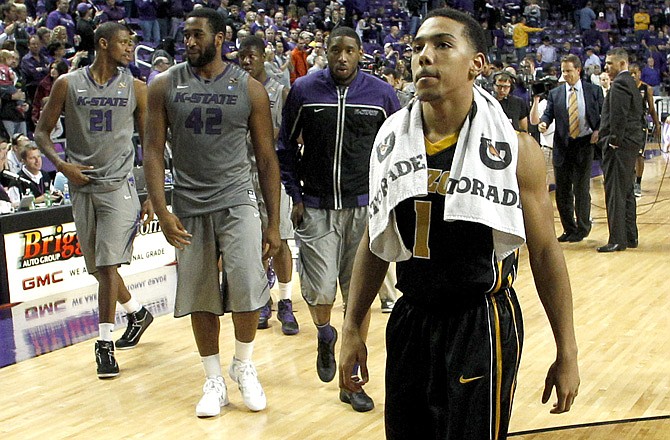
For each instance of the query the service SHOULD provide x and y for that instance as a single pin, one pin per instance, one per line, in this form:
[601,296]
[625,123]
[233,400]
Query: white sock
[132,305]
[285,290]
[105,330]
[243,350]
[212,365]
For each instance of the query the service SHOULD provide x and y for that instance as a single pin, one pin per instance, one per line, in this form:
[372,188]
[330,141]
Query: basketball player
[102,102]
[454,337]
[210,105]
[251,57]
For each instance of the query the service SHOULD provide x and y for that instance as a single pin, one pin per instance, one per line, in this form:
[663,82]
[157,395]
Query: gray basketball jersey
[209,121]
[276,94]
[99,124]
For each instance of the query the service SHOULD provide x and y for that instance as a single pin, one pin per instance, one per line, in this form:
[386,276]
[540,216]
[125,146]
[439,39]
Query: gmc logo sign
[42,280]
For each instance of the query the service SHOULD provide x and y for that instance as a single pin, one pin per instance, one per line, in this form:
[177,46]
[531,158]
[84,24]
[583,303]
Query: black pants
[451,371]
[573,184]
[619,172]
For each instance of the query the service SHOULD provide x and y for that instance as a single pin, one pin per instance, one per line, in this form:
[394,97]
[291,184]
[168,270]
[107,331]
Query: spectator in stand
[393,37]
[624,16]
[591,59]
[397,16]
[57,69]
[146,10]
[334,22]
[85,30]
[229,48]
[391,56]
[641,20]
[283,63]
[112,11]
[605,82]
[279,21]
[59,34]
[159,65]
[652,76]
[60,17]
[602,25]
[22,29]
[34,67]
[31,169]
[299,58]
[8,19]
[586,17]
[520,37]
[547,52]
[657,17]
[176,13]
[533,13]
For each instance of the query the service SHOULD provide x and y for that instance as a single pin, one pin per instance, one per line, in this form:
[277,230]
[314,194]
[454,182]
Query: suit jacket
[622,121]
[557,109]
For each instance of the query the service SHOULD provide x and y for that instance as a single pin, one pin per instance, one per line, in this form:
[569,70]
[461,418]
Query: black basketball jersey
[450,260]
[643,94]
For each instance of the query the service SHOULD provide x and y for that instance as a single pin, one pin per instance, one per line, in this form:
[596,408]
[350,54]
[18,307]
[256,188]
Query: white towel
[482,187]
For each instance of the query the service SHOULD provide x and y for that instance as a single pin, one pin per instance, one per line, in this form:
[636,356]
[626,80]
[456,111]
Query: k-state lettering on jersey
[451,261]
[209,123]
[99,122]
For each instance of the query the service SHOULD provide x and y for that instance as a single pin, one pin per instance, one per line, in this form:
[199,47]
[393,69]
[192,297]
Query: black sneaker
[264,317]
[325,358]
[387,305]
[104,357]
[137,324]
[360,401]
[289,325]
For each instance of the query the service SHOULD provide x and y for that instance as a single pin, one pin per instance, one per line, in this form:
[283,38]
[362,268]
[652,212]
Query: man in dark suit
[575,106]
[622,135]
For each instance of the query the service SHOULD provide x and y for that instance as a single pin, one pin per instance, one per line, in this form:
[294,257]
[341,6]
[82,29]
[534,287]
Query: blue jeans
[150,31]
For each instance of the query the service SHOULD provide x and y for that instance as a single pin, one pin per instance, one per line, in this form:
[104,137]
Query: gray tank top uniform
[99,123]
[209,121]
[275,93]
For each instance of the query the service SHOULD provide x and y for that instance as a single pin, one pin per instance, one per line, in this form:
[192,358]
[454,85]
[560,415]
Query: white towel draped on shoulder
[482,186]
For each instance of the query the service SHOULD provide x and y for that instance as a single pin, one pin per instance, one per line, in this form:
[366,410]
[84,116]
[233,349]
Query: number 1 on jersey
[422,210]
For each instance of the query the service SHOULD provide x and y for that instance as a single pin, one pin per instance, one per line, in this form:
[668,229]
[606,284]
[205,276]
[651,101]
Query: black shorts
[451,371]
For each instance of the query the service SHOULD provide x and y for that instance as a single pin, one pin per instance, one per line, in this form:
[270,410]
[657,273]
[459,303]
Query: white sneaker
[244,373]
[215,395]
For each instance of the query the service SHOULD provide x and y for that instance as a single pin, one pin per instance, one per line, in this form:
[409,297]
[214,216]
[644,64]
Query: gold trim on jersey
[499,367]
[432,148]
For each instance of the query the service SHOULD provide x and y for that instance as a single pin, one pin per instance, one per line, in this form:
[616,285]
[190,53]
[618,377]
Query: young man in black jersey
[454,337]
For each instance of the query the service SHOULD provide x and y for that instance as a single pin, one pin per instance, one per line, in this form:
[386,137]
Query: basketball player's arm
[147,213]
[549,272]
[652,111]
[155,133]
[262,138]
[50,115]
[366,279]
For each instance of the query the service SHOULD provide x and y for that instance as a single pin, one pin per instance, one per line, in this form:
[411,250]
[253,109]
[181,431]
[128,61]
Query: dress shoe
[359,401]
[632,244]
[564,237]
[612,247]
[574,238]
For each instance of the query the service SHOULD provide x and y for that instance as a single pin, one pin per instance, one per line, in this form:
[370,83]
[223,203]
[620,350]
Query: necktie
[573,113]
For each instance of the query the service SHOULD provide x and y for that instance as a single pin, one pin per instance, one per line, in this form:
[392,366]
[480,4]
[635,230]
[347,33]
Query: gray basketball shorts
[106,223]
[235,235]
[328,240]
[285,206]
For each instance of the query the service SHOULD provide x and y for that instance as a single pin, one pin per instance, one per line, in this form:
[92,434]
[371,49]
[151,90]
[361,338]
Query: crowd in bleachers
[42,39]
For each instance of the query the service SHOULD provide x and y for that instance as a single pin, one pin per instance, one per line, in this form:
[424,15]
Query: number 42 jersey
[209,120]
[99,124]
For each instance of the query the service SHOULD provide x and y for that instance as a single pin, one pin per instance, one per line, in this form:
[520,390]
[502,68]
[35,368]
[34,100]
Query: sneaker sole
[203,414]
[107,375]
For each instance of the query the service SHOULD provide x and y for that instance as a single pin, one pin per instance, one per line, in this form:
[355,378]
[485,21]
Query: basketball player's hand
[271,242]
[147,213]
[296,214]
[353,351]
[75,173]
[542,127]
[564,376]
[175,233]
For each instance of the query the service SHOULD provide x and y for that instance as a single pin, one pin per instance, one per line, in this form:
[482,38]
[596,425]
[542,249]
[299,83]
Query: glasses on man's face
[503,86]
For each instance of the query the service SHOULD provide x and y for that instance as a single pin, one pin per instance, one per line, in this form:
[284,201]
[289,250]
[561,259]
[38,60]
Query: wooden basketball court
[622,322]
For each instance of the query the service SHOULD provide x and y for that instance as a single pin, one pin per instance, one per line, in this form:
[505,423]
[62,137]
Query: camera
[542,87]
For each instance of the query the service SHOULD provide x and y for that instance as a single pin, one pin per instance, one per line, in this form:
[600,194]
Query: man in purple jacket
[60,17]
[146,10]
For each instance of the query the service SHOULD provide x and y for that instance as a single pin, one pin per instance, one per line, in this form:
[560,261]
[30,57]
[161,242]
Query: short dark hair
[473,30]
[574,59]
[107,31]
[618,52]
[253,41]
[54,46]
[345,31]
[214,19]
[61,67]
